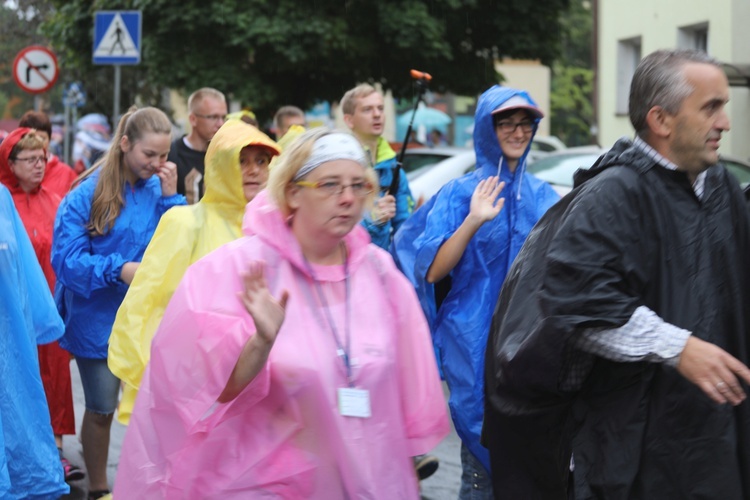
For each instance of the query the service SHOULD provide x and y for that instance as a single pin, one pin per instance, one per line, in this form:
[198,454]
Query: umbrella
[426,117]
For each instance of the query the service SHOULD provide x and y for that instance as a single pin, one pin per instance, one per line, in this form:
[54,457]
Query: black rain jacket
[630,234]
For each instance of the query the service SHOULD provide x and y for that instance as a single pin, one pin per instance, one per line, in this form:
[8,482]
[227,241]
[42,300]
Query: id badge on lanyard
[352,402]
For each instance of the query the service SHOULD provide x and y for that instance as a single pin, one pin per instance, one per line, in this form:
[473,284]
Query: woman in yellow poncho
[236,170]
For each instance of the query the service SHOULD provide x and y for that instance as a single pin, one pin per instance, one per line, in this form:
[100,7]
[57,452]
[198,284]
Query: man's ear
[193,120]
[348,121]
[659,121]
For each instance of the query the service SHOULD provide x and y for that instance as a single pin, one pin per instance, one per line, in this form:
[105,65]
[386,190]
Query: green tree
[572,92]
[266,53]
[571,104]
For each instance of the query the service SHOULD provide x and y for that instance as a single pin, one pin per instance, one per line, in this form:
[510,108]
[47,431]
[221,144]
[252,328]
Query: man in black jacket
[207,109]
[618,348]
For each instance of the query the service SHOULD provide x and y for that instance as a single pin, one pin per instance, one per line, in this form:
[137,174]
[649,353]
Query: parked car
[740,169]
[428,169]
[426,181]
[416,158]
[558,168]
[547,144]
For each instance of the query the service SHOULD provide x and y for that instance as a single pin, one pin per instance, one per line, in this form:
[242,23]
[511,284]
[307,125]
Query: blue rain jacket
[461,325]
[89,290]
[386,161]
[29,464]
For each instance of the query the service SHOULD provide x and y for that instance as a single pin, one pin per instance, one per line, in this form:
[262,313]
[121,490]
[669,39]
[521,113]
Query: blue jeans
[101,388]
[475,481]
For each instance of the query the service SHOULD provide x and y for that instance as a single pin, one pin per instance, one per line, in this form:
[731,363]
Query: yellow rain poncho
[184,235]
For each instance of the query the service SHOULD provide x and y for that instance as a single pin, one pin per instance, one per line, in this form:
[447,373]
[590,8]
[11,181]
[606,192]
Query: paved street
[443,485]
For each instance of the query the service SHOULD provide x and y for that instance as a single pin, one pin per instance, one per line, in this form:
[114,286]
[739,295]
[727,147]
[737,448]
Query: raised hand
[484,202]
[167,173]
[267,312]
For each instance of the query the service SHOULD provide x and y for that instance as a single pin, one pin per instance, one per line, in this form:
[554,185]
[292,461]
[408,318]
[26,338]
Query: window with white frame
[628,57]
[694,37]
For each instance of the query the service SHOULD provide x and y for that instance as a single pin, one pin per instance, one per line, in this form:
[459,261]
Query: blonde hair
[349,101]
[108,200]
[29,140]
[291,161]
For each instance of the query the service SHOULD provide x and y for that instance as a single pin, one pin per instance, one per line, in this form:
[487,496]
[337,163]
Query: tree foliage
[267,53]
[572,92]
[571,104]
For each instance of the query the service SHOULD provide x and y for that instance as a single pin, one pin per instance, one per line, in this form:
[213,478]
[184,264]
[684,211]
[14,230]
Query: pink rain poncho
[283,436]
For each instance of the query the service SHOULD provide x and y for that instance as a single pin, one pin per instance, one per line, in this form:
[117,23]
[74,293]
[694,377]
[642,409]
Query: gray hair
[660,81]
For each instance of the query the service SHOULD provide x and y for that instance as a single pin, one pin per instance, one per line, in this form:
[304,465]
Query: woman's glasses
[509,126]
[32,160]
[336,188]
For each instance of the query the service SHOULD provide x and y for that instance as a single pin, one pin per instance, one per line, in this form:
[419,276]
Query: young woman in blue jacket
[101,231]
[467,233]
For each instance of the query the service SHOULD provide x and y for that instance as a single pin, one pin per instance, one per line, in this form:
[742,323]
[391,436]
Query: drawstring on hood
[489,154]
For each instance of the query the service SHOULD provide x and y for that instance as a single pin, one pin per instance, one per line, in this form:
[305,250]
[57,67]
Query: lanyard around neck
[342,349]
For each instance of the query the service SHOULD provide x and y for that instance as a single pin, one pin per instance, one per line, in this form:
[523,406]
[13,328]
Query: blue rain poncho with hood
[461,324]
[29,463]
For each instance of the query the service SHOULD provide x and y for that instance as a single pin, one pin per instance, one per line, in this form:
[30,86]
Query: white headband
[336,146]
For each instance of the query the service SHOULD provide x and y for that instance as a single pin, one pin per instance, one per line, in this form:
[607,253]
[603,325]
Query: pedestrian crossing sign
[117,37]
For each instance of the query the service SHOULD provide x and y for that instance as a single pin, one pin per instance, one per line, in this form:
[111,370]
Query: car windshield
[414,162]
[559,168]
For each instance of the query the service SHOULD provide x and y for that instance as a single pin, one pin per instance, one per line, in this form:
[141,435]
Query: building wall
[740,98]
[657,23]
[532,77]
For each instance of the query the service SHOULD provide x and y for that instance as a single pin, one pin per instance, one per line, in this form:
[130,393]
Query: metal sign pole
[116,115]
[68,137]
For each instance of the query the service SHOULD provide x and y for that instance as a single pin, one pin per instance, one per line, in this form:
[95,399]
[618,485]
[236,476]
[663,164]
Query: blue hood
[486,145]
[460,324]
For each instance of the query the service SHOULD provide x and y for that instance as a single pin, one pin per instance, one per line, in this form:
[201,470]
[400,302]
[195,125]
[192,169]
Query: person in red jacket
[58,176]
[23,167]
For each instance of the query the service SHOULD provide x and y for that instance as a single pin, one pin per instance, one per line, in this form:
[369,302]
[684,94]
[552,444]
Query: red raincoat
[58,176]
[37,210]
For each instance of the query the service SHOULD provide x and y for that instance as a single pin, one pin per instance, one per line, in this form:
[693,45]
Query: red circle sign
[35,69]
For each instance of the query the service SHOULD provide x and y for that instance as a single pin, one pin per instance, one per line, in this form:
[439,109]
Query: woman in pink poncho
[325,392]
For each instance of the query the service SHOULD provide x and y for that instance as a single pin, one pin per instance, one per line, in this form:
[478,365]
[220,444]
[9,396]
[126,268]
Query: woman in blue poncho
[29,463]
[467,234]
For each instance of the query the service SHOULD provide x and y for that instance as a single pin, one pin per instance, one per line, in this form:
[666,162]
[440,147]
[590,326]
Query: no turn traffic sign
[35,69]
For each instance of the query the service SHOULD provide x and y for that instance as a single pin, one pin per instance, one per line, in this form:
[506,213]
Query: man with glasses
[457,250]
[208,111]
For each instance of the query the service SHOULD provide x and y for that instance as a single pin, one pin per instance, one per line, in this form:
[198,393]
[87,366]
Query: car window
[559,169]
[414,162]
[542,146]
[742,172]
